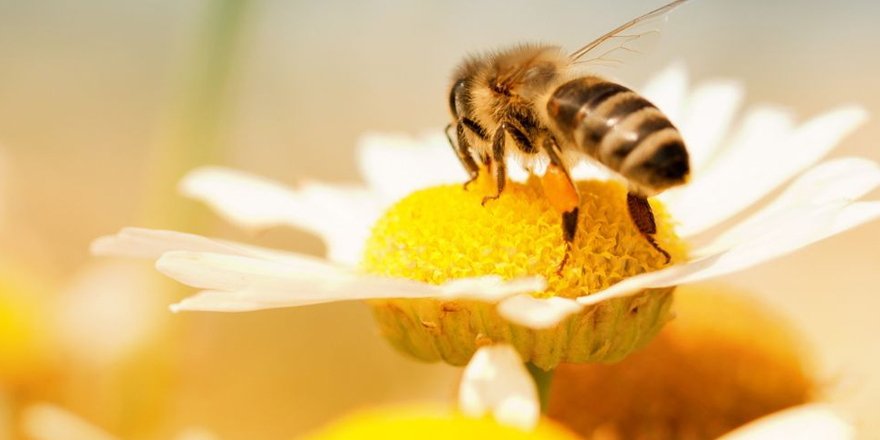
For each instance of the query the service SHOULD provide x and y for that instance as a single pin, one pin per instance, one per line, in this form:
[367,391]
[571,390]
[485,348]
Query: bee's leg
[462,150]
[643,217]
[498,167]
[562,194]
[519,138]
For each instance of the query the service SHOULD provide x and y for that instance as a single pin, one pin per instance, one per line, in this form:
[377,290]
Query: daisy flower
[445,275]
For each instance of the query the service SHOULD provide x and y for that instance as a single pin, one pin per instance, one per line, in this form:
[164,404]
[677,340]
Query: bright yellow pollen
[431,424]
[443,233]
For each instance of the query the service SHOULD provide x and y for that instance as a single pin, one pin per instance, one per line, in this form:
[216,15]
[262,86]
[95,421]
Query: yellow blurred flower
[427,423]
[724,361]
[26,352]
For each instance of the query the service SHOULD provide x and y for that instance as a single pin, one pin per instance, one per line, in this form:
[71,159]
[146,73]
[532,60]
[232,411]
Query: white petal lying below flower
[49,422]
[766,153]
[531,312]
[768,239]
[807,422]
[340,215]
[496,382]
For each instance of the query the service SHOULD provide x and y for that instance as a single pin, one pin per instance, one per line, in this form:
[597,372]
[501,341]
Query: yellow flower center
[444,233]
[430,424]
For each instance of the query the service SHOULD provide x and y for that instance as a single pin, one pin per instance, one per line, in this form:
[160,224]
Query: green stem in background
[194,129]
[543,380]
[191,134]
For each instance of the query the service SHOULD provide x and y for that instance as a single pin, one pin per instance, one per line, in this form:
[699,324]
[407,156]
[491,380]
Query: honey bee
[530,102]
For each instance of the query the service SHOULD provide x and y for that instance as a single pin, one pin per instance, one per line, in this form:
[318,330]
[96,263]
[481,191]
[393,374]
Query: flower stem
[196,122]
[543,379]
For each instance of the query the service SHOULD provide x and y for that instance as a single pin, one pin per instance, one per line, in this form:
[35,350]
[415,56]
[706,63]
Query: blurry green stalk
[195,129]
[543,379]
[193,134]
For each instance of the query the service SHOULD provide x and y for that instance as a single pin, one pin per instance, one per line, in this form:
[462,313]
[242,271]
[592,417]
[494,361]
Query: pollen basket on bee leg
[559,190]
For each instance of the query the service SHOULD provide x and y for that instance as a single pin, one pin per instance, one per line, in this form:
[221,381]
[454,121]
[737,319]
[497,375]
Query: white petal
[496,382]
[239,283]
[152,243]
[242,198]
[806,422]
[776,236]
[765,154]
[710,110]
[667,90]
[397,165]
[528,311]
[844,179]
[340,215]
[49,422]
[491,288]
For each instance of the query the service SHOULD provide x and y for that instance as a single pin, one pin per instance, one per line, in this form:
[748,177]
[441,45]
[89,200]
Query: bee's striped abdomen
[620,129]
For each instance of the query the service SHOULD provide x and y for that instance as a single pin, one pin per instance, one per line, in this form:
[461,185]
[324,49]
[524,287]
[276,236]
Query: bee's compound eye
[456,97]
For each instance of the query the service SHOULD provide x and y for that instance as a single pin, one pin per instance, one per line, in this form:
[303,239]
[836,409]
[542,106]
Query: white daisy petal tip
[247,200]
[806,422]
[395,165]
[770,237]
[491,288]
[496,382]
[537,313]
[668,88]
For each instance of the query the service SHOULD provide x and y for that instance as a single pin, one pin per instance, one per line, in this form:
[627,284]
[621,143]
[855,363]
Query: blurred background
[104,104]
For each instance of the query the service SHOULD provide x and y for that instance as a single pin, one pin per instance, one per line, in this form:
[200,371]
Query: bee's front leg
[462,150]
[643,217]
[498,168]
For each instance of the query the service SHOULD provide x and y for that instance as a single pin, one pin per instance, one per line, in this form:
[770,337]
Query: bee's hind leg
[562,194]
[641,214]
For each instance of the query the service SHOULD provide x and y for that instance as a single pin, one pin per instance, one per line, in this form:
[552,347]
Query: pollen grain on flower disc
[445,233]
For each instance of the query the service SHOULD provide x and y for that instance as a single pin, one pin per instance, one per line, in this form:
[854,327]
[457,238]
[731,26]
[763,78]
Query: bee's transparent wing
[627,41]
